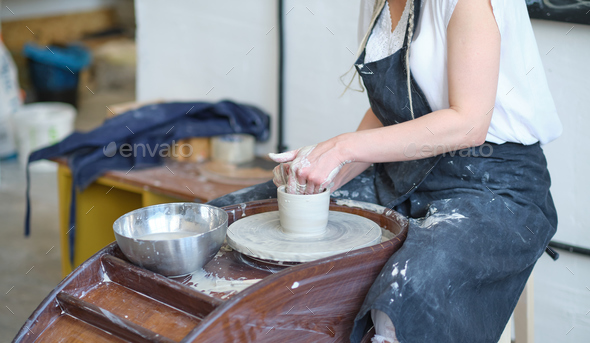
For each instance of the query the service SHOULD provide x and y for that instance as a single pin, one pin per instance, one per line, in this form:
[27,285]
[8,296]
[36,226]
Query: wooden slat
[142,310]
[524,320]
[506,334]
[159,287]
[48,311]
[67,329]
[107,321]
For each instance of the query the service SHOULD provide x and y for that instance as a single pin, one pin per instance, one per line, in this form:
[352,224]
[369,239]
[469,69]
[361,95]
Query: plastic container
[55,71]
[39,125]
[233,148]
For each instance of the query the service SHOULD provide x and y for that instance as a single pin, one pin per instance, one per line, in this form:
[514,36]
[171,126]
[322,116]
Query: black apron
[386,84]
[479,220]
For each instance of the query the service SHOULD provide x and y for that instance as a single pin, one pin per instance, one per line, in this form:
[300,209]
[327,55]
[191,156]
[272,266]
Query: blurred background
[120,53]
[96,39]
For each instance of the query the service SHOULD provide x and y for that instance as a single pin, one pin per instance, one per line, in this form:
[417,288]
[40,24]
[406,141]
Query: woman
[460,157]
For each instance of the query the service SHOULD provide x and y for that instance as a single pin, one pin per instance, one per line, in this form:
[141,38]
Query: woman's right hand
[349,171]
[346,172]
[281,174]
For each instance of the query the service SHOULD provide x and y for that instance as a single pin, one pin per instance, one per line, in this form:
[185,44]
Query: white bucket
[40,125]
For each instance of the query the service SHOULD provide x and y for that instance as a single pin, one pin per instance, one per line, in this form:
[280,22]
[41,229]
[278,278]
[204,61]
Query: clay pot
[303,215]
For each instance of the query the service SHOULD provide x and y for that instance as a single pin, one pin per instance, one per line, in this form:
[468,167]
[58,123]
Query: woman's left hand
[311,169]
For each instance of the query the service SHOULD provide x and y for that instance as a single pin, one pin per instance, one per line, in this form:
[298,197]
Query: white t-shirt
[524,111]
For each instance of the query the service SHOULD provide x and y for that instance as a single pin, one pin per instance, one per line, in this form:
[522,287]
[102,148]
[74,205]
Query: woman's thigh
[461,269]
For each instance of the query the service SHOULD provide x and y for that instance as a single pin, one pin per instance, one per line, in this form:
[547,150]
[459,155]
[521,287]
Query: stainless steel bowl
[171,239]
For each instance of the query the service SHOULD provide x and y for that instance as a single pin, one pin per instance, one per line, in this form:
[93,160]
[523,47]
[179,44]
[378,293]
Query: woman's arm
[473,58]
[350,170]
[473,45]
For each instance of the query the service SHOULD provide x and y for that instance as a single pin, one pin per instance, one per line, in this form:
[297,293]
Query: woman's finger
[310,189]
[281,174]
[292,184]
[284,156]
[277,176]
[301,181]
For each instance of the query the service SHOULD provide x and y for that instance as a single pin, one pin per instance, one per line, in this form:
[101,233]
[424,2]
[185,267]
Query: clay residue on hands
[291,162]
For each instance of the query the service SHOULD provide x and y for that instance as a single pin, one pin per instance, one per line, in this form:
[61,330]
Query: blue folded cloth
[152,128]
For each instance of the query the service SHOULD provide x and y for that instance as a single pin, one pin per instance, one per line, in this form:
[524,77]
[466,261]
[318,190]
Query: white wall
[562,296]
[186,48]
[320,41]
[41,8]
[562,299]
[186,51]
[568,73]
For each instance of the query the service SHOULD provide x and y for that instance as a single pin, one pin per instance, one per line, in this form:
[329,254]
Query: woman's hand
[342,171]
[311,169]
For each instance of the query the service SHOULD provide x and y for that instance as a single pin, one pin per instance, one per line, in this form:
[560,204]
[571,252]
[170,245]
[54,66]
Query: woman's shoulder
[444,9]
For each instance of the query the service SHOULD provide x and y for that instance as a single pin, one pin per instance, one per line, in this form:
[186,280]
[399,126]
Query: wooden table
[118,192]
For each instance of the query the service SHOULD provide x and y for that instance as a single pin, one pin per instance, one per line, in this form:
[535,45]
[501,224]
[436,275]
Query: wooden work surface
[181,180]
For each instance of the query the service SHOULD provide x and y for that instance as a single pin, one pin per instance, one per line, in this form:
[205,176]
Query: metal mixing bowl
[171,239]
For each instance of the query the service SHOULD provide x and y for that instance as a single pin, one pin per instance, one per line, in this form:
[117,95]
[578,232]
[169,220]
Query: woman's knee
[384,329]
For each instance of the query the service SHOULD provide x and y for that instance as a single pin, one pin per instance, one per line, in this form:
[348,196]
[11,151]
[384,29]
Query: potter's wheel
[261,236]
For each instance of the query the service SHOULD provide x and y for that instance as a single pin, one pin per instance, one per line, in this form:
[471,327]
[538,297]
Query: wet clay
[261,236]
[303,215]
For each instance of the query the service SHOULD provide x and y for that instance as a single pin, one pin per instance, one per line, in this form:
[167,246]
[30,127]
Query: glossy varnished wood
[158,287]
[141,310]
[310,302]
[68,329]
[108,321]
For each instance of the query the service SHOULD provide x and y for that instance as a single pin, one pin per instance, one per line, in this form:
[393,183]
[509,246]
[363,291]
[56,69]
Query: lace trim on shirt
[382,42]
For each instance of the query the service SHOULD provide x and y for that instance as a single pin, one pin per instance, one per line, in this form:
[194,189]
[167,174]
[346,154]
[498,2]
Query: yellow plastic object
[97,207]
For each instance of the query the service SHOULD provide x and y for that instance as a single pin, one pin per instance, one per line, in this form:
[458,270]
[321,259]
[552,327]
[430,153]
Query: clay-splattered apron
[481,219]
[387,87]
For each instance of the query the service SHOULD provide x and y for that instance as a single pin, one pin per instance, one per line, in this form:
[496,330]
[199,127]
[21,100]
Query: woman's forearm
[351,170]
[435,133]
